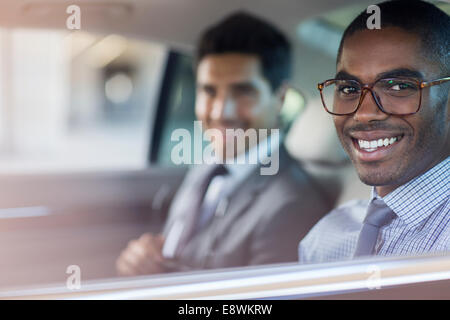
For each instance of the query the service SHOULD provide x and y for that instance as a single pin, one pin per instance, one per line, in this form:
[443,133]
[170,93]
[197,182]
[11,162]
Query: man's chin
[376,177]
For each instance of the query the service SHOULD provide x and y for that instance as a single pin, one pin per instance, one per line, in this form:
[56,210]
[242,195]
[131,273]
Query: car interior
[85,140]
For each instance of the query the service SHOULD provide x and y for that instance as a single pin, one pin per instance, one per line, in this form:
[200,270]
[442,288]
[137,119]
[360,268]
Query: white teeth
[380,142]
[373,145]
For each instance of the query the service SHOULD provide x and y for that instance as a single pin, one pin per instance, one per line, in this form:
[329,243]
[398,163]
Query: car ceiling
[175,22]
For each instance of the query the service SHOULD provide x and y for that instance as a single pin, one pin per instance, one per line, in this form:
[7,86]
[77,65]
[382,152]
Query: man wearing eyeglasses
[391,108]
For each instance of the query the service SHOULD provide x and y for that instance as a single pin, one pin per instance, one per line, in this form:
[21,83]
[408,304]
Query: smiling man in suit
[233,215]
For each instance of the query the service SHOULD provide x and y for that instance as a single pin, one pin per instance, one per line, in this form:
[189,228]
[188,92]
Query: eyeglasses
[393,96]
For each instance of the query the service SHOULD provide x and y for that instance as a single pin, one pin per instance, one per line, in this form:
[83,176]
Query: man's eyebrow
[396,73]
[243,85]
[402,73]
[205,86]
[343,75]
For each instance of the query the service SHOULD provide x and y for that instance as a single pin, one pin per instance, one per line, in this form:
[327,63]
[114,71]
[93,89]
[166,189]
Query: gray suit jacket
[265,219]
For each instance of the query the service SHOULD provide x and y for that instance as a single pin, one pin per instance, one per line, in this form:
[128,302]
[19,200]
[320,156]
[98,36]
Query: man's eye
[348,90]
[209,91]
[400,86]
[244,91]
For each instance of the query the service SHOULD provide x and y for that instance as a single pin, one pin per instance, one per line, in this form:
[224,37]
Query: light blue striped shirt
[422,224]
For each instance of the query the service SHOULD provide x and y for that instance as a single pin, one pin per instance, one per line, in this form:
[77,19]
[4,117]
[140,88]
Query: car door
[77,211]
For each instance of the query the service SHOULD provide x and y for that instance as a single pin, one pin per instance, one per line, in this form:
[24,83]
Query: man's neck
[383,191]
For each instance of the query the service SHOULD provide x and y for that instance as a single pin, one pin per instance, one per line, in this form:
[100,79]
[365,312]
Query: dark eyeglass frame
[369,87]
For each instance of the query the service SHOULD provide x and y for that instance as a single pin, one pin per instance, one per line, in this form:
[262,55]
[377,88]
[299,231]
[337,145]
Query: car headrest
[313,137]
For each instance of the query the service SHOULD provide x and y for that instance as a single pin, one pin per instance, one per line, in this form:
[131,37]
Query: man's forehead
[228,63]
[367,54]
[228,69]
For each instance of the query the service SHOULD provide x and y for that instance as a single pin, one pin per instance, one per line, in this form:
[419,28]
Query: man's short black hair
[247,34]
[430,23]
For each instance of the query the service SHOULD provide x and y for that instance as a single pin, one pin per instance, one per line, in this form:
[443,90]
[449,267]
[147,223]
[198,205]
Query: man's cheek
[243,115]
[261,115]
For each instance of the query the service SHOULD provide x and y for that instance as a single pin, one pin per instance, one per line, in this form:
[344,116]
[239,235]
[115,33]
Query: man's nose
[223,108]
[368,109]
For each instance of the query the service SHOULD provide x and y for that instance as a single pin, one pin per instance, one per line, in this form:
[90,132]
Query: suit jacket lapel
[187,199]
[238,203]
[241,199]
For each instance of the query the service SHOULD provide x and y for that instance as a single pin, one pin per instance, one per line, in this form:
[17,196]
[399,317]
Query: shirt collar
[417,199]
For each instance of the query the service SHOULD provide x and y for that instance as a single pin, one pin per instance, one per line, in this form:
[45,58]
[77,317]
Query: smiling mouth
[376,144]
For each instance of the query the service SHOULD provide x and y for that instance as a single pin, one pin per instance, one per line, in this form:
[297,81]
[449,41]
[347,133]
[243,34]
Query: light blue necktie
[213,196]
[378,215]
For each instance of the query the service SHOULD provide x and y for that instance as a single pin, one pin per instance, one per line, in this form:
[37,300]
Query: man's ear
[291,103]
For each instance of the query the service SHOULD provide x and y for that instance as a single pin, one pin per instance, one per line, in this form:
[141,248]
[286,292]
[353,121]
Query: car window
[91,101]
[176,106]
[76,100]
